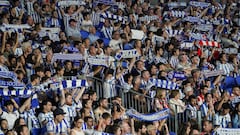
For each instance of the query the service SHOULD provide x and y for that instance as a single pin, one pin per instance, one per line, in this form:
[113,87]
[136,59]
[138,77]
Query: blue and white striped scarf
[186,45]
[126,54]
[5,3]
[148,18]
[60,56]
[178,14]
[204,27]
[192,19]
[163,114]
[108,15]
[105,2]
[199,4]
[69,3]
[173,33]
[165,84]
[197,36]
[176,4]
[177,75]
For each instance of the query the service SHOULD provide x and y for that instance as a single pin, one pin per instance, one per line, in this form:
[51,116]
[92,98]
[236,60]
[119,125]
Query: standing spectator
[58,125]
[77,127]
[236,116]
[223,118]
[191,110]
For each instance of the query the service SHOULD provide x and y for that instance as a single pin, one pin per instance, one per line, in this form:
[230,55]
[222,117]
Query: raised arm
[79,95]
[25,105]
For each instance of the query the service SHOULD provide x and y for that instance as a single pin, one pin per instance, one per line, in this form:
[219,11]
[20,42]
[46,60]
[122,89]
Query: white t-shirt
[10,117]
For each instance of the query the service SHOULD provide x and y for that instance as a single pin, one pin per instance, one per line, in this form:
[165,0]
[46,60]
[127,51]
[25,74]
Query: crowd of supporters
[192,44]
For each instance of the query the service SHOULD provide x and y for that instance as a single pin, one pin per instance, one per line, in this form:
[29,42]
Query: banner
[163,114]
[70,2]
[177,75]
[127,54]
[192,19]
[60,56]
[227,131]
[204,27]
[17,26]
[199,4]
[186,45]
[51,30]
[7,84]
[98,61]
[207,74]
[165,84]
[176,4]
[148,18]
[137,34]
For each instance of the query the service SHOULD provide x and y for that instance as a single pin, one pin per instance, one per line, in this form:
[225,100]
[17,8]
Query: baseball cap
[58,111]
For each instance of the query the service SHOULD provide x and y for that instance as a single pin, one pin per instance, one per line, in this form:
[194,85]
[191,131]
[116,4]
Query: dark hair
[191,97]
[19,129]
[34,77]
[87,118]
[17,123]
[39,69]
[106,115]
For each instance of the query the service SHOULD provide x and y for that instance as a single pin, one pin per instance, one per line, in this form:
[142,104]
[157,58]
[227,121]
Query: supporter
[235,118]
[77,127]
[4,125]
[175,103]
[102,108]
[22,130]
[187,49]
[46,114]
[58,125]
[140,128]
[223,118]
[207,127]
[207,108]
[191,109]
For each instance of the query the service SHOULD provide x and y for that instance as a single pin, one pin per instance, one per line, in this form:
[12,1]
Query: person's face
[25,131]
[125,127]
[193,102]
[140,65]
[108,121]
[90,122]
[48,106]
[144,129]
[195,132]
[69,65]
[60,117]
[116,35]
[118,132]
[236,91]
[146,75]
[226,111]
[205,90]
[69,100]
[154,70]
[4,125]
[130,79]
[61,72]
[2,59]
[87,112]
[22,122]
[78,123]
[105,104]
[94,97]
[89,104]
[209,98]
[9,108]
[207,127]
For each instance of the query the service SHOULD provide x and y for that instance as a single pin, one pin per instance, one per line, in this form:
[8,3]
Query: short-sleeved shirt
[45,116]
[10,117]
[60,128]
